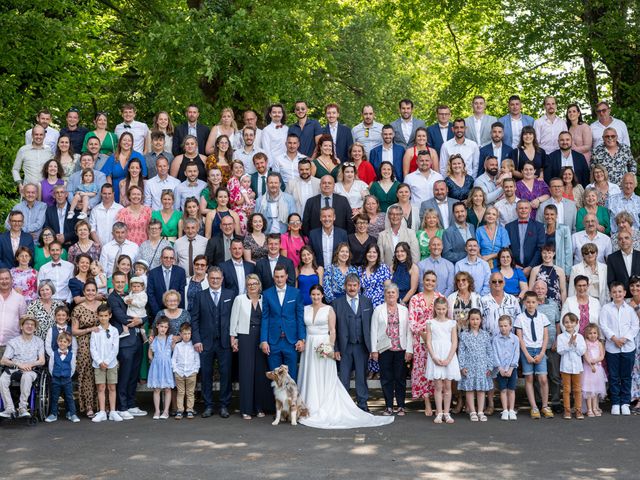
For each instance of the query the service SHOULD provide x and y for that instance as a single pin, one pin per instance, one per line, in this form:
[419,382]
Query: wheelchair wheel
[43,396]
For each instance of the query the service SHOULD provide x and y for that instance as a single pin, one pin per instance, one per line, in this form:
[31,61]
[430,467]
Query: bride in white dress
[330,405]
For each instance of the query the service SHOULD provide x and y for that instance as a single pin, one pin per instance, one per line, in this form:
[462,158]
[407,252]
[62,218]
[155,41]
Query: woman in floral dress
[420,313]
[25,278]
[336,273]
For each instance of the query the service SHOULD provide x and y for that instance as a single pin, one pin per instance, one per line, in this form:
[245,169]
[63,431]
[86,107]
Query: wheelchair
[39,397]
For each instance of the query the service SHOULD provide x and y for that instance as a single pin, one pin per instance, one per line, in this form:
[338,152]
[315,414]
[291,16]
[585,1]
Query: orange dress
[136,224]
[212,162]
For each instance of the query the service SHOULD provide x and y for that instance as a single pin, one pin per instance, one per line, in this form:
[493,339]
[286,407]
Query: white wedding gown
[330,405]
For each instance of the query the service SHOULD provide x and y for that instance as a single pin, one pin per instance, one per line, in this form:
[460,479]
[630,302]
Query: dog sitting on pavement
[285,391]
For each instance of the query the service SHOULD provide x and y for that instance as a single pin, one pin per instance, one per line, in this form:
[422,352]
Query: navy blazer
[375,158]
[617,270]
[7,258]
[182,130]
[230,276]
[435,137]
[487,151]
[534,241]
[263,270]
[311,216]
[345,317]
[52,221]
[254,181]
[580,167]
[453,246]
[119,319]
[156,286]
[202,320]
[344,140]
[287,318]
[315,242]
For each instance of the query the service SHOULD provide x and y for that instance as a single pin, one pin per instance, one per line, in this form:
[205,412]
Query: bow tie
[127,126]
[56,265]
[279,126]
[63,353]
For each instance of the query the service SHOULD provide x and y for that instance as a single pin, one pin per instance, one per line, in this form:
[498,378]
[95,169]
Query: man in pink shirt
[12,307]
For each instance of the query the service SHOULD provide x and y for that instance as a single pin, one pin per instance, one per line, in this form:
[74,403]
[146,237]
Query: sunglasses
[497,282]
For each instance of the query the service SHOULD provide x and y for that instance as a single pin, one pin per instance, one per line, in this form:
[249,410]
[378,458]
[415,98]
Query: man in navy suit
[388,151]
[341,134]
[333,234]
[167,276]
[454,238]
[353,337]
[405,127]
[55,217]
[190,127]
[326,198]
[554,163]
[210,320]
[441,129]
[265,267]
[15,233]
[527,238]
[496,148]
[282,333]
[235,270]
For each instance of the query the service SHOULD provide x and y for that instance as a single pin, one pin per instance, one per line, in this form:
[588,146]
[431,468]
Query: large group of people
[456,254]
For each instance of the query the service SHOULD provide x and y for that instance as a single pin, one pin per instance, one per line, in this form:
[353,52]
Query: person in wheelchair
[23,354]
[62,366]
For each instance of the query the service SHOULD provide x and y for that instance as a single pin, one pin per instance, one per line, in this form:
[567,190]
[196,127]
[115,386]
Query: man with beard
[305,186]
[496,148]
[490,181]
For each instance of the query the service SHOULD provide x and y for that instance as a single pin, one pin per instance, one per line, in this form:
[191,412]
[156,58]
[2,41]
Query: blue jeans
[620,367]
[62,385]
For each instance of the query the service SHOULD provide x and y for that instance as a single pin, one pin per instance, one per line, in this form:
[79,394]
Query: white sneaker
[7,413]
[101,416]
[125,415]
[513,415]
[615,409]
[51,419]
[23,413]
[136,412]
[81,216]
[114,416]
[625,410]
[505,415]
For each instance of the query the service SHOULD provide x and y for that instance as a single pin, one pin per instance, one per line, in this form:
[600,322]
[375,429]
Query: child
[246,202]
[593,377]
[185,363]
[137,301]
[507,167]
[62,366]
[571,347]
[442,367]
[475,356]
[86,190]
[532,330]
[506,352]
[61,318]
[99,276]
[140,269]
[104,352]
[619,324]
[160,373]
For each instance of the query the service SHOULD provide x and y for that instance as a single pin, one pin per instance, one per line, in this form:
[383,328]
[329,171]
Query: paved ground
[412,447]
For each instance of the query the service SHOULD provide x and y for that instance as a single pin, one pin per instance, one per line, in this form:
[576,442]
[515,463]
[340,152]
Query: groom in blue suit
[282,333]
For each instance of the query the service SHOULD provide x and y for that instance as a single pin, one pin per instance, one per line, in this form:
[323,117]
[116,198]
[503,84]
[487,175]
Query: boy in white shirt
[104,346]
[531,327]
[186,363]
[571,347]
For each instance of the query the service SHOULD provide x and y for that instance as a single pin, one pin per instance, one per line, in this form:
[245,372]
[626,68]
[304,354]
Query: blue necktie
[353,306]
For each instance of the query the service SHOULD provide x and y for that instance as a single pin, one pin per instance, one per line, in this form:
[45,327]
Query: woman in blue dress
[491,236]
[458,181]
[309,273]
[405,272]
[336,273]
[515,282]
[373,275]
[117,165]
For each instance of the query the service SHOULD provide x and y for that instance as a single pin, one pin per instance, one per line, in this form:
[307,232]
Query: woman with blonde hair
[458,181]
[226,126]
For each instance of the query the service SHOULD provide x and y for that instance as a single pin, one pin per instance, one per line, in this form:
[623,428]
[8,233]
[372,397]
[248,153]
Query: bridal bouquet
[324,350]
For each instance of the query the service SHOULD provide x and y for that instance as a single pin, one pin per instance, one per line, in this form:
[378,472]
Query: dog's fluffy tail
[303,411]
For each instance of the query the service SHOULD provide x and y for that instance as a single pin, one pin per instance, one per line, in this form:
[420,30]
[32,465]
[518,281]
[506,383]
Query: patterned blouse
[136,224]
[459,192]
[393,329]
[25,282]
[616,165]
[257,251]
[151,254]
[333,281]
[376,225]
[373,285]
[523,193]
[45,317]
[93,252]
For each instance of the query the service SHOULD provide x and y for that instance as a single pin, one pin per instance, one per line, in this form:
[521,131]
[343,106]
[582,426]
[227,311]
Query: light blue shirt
[33,217]
[75,180]
[444,273]
[619,203]
[479,270]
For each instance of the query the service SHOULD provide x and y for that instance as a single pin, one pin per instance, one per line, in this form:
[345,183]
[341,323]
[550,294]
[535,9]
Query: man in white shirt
[421,181]
[139,130]
[405,127]
[287,164]
[490,181]
[31,158]
[605,120]
[191,187]
[58,272]
[103,216]
[250,119]
[549,126]
[51,135]
[459,144]
[304,186]
[590,234]
[189,246]
[368,132]
[479,124]
[274,135]
[507,205]
[116,247]
[156,185]
[246,152]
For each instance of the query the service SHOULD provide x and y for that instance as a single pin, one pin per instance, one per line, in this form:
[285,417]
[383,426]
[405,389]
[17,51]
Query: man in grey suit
[441,203]
[405,127]
[479,124]
[353,337]
[566,208]
[455,237]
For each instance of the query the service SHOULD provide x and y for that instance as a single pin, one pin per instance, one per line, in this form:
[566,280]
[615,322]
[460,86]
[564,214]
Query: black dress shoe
[224,413]
[364,408]
[557,409]
[207,413]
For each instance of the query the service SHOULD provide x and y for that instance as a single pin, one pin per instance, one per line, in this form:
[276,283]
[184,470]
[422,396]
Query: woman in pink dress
[292,241]
[136,216]
[236,197]
[421,313]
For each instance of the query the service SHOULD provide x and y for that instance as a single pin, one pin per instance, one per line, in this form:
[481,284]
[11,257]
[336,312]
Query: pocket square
[227,300]
[291,301]
[365,310]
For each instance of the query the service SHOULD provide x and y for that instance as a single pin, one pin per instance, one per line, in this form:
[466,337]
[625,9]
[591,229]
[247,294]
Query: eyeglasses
[252,284]
[107,333]
[610,136]
[590,252]
[497,282]
[295,222]
[461,280]
[602,110]
[200,265]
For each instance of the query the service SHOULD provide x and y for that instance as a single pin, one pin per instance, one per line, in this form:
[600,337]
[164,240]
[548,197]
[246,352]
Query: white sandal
[473,416]
[448,418]
[482,417]
[438,418]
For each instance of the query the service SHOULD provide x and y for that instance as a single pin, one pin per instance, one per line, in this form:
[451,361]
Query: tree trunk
[590,76]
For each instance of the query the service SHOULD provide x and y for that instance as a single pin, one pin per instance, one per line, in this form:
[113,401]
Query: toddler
[137,304]
[160,372]
[99,276]
[594,378]
[571,347]
[140,269]
[185,363]
[506,352]
[104,352]
[86,190]
[507,167]
[62,366]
